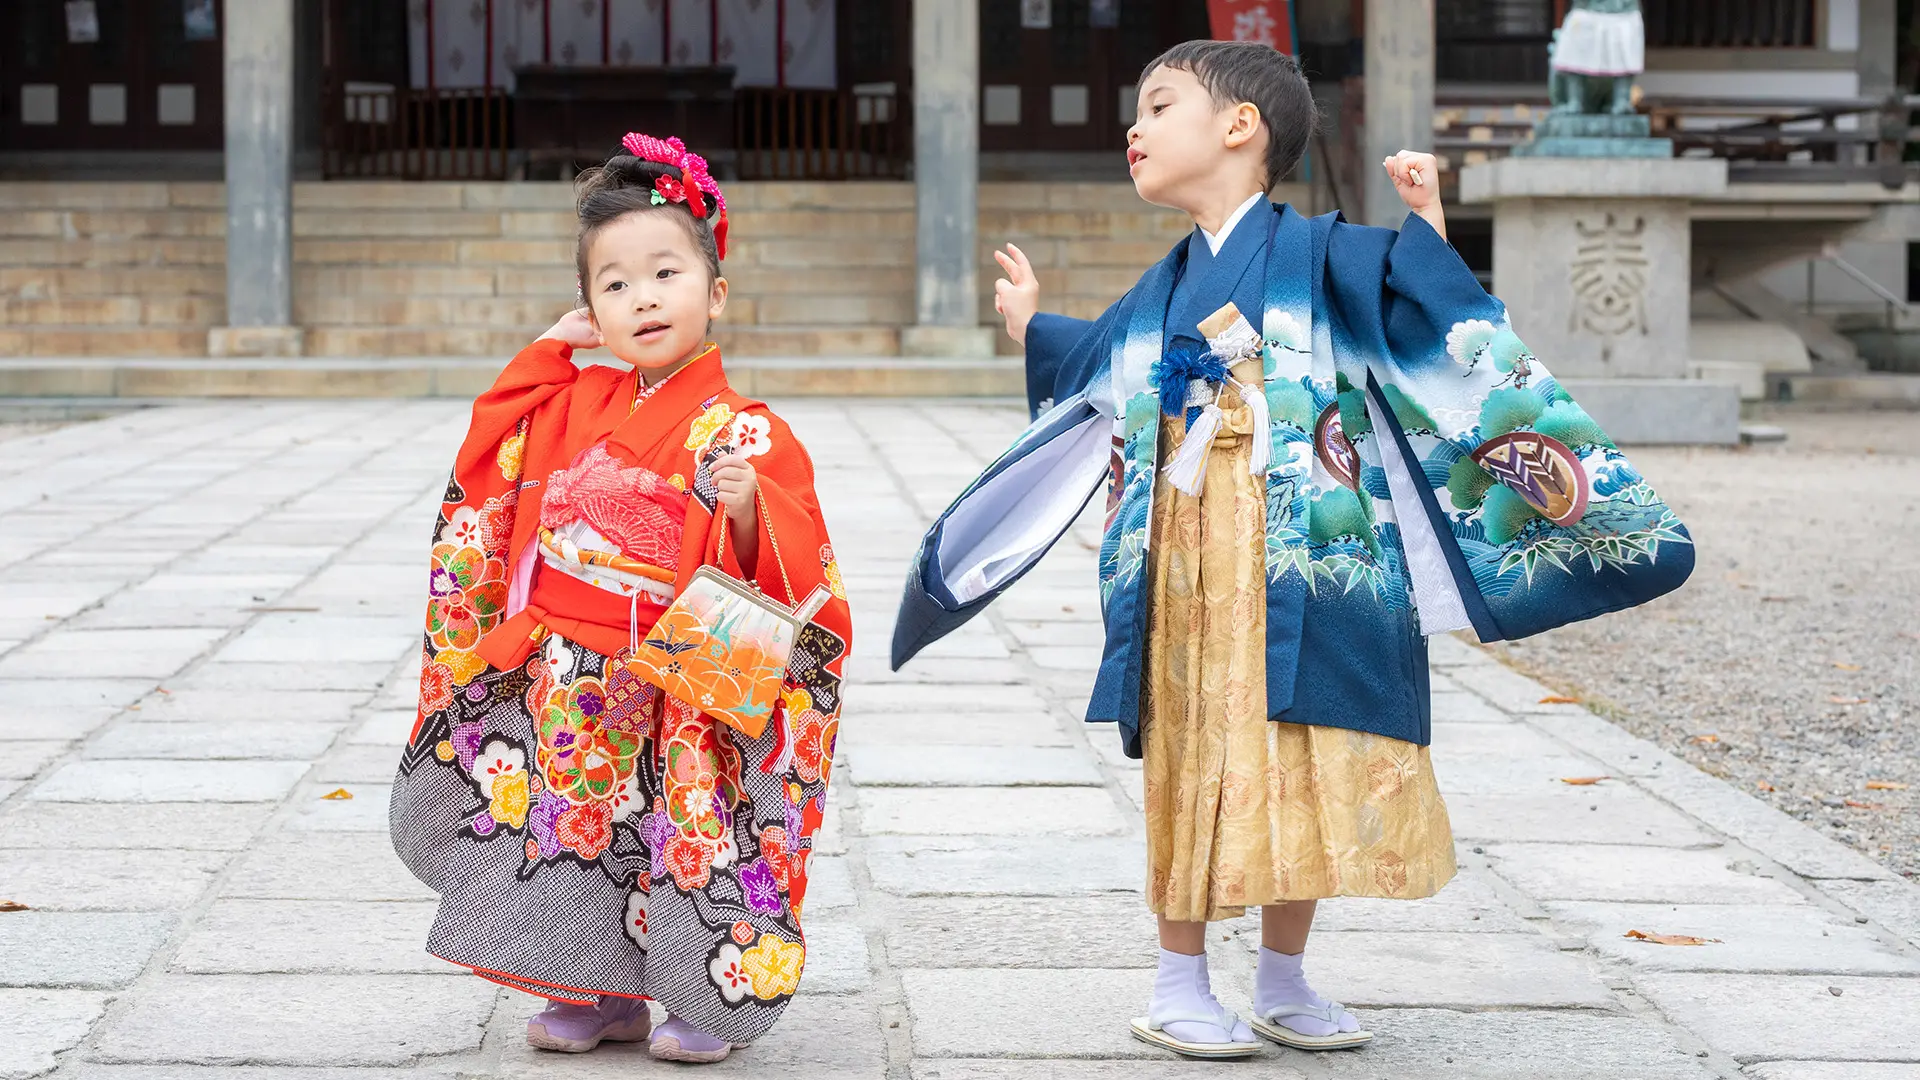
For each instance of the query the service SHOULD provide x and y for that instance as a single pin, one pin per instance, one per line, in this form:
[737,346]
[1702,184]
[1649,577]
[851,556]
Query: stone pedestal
[946,180]
[258,49]
[1592,257]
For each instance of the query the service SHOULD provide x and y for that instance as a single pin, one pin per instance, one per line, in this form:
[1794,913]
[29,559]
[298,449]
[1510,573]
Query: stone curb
[1838,871]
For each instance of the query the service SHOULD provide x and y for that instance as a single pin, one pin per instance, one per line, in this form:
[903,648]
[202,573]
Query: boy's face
[1179,136]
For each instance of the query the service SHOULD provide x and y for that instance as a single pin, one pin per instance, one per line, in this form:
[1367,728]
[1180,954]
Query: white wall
[1883,262]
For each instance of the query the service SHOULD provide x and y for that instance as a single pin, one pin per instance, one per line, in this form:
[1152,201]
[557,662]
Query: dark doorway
[1060,75]
[110,75]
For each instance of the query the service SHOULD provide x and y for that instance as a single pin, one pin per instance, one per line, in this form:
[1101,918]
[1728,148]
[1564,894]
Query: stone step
[773,377]
[136,251]
[111,224]
[106,310]
[52,283]
[74,341]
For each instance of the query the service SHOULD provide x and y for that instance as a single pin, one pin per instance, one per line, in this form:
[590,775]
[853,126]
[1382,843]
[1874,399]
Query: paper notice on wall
[1036,14]
[201,22]
[83,22]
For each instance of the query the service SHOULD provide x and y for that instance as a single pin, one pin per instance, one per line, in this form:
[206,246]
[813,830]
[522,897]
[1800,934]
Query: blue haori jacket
[1426,472]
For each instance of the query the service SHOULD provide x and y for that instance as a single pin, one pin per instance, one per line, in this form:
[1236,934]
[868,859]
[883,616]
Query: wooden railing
[387,132]
[1837,140]
[821,134]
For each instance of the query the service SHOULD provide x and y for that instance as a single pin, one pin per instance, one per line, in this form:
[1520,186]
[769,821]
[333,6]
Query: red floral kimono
[589,834]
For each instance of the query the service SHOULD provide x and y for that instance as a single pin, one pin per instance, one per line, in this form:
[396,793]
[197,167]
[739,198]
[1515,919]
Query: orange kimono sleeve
[473,541]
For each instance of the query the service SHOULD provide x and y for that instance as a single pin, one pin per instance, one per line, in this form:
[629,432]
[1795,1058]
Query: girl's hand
[1017,296]
[738,482]
[576,329]
[1416,179]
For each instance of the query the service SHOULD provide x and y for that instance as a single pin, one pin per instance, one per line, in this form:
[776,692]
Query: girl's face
[648,292]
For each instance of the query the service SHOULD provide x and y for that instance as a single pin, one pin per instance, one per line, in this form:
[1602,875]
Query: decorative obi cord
[1192,379]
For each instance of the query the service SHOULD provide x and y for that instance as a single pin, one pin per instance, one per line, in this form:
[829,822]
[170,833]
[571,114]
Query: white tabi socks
[1279,981]
[1181,987]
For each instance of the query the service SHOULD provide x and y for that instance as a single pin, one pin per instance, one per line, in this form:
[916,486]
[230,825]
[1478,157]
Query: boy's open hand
[1416,179]
[575,329]
[1017,296]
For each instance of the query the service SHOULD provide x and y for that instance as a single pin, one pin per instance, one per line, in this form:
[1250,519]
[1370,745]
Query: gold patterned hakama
[1242,811]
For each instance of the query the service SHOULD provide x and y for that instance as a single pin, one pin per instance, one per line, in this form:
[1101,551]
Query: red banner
[1267,21]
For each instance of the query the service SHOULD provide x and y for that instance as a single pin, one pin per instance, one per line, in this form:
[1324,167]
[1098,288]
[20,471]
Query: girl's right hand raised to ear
[1017,296]
[576,329]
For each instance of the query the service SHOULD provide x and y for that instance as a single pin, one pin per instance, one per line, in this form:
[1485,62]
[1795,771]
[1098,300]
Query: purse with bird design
[723,645]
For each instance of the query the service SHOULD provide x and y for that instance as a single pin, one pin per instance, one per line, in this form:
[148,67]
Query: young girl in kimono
[594,840]
[1272,560]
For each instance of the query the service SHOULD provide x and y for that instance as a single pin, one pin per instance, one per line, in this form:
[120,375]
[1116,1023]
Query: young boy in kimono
[595,840]
[1329,444]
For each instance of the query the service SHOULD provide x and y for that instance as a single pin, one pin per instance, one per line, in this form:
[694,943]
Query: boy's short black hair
[1237,71]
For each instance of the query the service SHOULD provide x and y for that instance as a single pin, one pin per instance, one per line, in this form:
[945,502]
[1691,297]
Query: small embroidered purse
[723,645]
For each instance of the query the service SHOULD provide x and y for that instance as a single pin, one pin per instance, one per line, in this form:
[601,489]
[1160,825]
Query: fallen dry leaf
[1838,700]
[1844,666]
[1858,805]
[1703,739]
[1885,785]
[1583,781]
[1559,699]
[338,793]
[1670,939]
[1764,786]
[13,905]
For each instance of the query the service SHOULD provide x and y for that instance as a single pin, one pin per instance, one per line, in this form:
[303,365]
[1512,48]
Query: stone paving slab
[200,741]
[358,765]
[252,937]
[1469,903]
[982,811]
[1114,930]
[1455,971]
[1600,814]
[1025,1013]
[1652,875]
[366,811]
[942,697]
[171,781]
[195,826]
[299,1020]
[234,703]
[42,1023]
[78,950]
[1832,1070]
[1756,1017]
[1420,1044]
[963,766]
[1787,939]
[921,730]
[23,759]
[389,728]
[139,879]
[1893,904]
[1012,866]
[324,866]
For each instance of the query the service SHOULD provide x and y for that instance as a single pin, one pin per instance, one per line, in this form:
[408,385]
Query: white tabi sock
[1279,981]
[1181,988]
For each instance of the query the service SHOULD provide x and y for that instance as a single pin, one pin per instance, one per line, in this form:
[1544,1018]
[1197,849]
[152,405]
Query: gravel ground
[1789,664]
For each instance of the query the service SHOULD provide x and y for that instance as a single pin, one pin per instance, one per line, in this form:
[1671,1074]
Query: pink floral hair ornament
[694,185]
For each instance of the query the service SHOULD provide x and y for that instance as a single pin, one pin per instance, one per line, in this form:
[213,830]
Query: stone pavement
[209,619]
